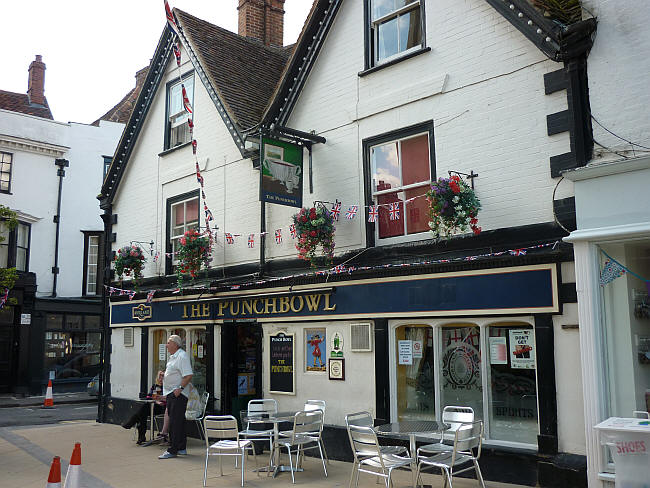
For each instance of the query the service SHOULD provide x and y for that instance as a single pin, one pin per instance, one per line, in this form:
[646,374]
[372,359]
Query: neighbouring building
[51,173]
[377,101]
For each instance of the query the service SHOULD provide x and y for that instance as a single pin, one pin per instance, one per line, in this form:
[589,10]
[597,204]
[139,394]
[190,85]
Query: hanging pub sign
[281,362]
[281,172]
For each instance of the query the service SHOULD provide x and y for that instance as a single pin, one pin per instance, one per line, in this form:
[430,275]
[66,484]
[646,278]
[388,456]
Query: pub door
[241,365]
[7,358]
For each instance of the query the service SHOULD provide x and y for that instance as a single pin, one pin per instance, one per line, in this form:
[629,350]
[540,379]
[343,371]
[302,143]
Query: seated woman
[141,415]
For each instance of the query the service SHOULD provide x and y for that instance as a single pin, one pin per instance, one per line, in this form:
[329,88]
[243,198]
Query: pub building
[400,324]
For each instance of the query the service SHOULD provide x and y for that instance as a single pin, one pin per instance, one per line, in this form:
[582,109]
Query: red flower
[303,218]
[454,187]
[476,230]
[313,233]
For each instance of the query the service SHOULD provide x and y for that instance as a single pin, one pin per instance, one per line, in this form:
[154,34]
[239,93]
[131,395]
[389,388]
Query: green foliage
[8,276]
[314,228]
[130,260]
[195,252]
[565,11]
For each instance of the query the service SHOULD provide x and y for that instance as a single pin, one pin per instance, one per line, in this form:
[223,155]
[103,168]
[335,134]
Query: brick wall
[36,81]
[262,20]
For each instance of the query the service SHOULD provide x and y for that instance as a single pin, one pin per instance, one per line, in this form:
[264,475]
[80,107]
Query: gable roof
[122,110]
[19,102]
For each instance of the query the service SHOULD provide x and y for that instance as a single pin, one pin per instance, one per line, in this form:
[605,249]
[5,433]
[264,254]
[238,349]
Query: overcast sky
[92,49]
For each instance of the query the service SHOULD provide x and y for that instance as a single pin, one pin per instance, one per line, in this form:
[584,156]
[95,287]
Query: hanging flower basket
[194,253]
[129,261]
[314,228]
[453,208]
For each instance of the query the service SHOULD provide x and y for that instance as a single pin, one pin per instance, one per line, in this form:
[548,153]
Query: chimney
[36,82]
[262,20]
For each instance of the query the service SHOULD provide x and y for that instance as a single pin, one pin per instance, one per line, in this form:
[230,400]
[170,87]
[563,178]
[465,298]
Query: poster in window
[315,350]
[281,172]
[522,352]
[498,350]
[281,361]
[405,352]
[162,352]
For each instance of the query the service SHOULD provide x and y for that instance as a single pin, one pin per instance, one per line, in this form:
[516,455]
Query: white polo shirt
[178,366]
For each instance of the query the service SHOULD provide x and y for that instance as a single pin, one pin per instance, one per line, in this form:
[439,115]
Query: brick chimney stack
[262,20]
[36,82]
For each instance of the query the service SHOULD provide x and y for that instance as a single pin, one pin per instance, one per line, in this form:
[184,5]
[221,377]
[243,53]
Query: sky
[93,49]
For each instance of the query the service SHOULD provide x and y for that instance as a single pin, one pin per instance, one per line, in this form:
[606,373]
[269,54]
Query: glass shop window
[72,354]
[194,343]
[415,388]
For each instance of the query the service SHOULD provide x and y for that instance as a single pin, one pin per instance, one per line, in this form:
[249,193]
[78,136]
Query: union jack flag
[518,252]
[4,298]
[251,241]
[373,213]
[278,236]
[131,295]
[336,210]
[150,295]
[340,268]
[208,213]
[199,178]
[470,258]
[190,125]
[171,23]
[352,212]
[156,257]
[194,144]
[393,211]
[186,101]
[292,229]
[203,194]
[177,54]
[229,238]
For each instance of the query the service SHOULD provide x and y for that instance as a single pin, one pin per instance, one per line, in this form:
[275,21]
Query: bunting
[171,23]
[278,236]
[352,212]
[393,211]
[611,270]
[373,213]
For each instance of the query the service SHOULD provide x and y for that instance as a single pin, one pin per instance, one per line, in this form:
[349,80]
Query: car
[93,386]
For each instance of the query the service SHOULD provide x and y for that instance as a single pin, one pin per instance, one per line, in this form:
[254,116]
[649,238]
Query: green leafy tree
[8,276]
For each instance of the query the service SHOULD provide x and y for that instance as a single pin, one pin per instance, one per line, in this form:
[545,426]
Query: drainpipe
[61,163]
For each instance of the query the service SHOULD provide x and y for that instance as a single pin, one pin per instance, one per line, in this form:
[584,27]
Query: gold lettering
[185,312]
[284,304]
[206,310]
[312,302]
[247,304]
[327,306]
[270,303]
[258,312]
[222,305]
[196,310]
[299,308]
[234,307]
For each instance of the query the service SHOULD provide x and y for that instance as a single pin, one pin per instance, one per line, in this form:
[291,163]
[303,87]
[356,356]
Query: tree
[8,276]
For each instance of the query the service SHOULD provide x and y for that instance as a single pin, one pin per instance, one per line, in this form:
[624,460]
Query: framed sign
[315,349]
[281,172]
[337,368]
[281,364]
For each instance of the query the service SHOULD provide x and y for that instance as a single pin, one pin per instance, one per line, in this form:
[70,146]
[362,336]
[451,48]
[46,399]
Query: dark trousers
[143,418]
[176,409]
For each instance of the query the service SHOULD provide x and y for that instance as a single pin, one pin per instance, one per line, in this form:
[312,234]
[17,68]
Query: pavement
[8,400]
[110,459]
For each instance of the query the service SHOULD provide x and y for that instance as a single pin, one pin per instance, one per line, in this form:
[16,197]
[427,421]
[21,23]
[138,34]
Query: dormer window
[178,131]
[395,29]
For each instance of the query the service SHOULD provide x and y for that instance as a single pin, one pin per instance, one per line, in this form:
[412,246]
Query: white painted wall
[125,362]
[35,143]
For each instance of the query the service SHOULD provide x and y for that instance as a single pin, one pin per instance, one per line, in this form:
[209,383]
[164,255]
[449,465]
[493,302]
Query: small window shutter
[361,337]
[128,336]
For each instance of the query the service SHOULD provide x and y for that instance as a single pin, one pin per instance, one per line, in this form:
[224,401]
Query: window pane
[388,227]
[4,254]
[415,160]
[387,39]
[383,7]
[73,322]
[410,33]
[192,210]
[91,322]
[461,368]
[21,259]
[158,352]
[72,355]
[385,167]
[196,348]
[54,321]
[22,235]
[513,388]
[178,214]
[417,211]
[415,393]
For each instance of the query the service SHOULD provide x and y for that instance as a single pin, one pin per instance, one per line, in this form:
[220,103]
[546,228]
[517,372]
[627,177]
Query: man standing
[178,375]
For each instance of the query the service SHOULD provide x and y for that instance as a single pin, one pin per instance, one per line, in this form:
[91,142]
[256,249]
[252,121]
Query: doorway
[241,365]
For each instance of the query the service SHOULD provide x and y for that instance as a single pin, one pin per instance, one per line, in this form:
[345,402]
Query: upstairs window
[183,215]
[14,248]
[395,28]
[401,173]
[92,263]
[6,160]
[107,165]
[178,131]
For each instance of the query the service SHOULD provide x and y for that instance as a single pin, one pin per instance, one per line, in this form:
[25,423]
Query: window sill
[172,149]
[409,55]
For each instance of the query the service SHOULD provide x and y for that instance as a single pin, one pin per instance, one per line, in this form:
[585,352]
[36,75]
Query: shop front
[612,250]
[400,347]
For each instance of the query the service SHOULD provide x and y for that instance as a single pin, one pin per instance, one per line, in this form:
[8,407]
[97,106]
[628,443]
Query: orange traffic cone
[73,476]
[54,480]
[49,398]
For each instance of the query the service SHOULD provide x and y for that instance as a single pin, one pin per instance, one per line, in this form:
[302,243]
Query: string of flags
[4,298]
[342,268]
[613,269]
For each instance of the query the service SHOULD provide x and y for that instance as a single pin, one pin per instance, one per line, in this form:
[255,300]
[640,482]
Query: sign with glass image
[281,172]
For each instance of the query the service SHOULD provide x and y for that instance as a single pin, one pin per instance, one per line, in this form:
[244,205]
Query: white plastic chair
[224,428]
[368,454]
[307,429]
[454,416]
[468,436]
[364,419]
[640,414]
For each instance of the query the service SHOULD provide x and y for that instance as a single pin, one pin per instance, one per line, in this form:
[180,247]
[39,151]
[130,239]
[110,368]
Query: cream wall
[125,363]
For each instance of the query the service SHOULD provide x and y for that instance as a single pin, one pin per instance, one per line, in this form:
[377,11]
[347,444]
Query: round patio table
[275,419]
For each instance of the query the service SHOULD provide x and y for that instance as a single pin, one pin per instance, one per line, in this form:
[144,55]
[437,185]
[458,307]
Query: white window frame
[483,324]
[374,25]
[186,227]
[405,237]
[89,265]
[7,158]
[177,128]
